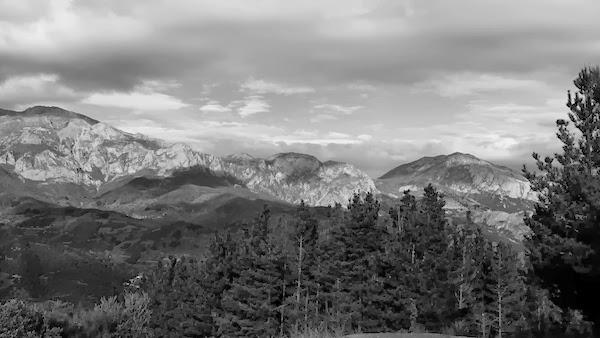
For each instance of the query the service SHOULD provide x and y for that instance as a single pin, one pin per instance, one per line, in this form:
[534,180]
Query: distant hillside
[466,180]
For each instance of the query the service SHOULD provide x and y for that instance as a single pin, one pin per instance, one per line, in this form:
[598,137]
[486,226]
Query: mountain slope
[50,147]
[466,181]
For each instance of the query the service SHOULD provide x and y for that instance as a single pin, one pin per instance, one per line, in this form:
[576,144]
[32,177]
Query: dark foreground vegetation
[366,272]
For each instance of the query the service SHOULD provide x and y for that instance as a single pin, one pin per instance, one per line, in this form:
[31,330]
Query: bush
[135,316]
[20,320]
[111,318]
[102,320]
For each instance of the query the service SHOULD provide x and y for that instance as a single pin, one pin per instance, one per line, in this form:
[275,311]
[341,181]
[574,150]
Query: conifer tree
[305,237]
[508,290]
[464,240]
[220,269]
[399,282]
[403,215]
[482,311]
[178,301]
[467,246]
[350,276]
[253,304]
[565,242]
[432,253]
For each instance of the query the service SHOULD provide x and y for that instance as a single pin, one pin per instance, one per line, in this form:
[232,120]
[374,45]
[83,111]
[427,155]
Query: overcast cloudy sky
[376,83]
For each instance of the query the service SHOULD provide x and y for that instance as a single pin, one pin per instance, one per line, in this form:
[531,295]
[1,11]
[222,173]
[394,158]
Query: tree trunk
[306,309]
[299,285]
[499,292]
[461,296]
[281,319]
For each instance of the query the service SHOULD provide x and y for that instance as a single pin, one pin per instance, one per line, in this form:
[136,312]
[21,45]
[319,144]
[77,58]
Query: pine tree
[433,257]
[403,215]
[565,242]
[254,303]
[305,237]
[508,290]
[482,311]
[220,269]
[350,277]
[178,299]
[399,281]
[466,239]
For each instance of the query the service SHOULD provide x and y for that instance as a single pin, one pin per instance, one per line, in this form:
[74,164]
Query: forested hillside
[360,274]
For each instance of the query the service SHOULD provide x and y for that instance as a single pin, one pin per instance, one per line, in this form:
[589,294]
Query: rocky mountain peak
[50,145]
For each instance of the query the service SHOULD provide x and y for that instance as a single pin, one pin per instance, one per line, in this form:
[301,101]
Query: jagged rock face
[294,177]
[51,145]
[462,177]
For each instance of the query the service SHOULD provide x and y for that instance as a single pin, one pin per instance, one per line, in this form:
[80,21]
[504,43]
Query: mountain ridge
[83,184]
[54,146]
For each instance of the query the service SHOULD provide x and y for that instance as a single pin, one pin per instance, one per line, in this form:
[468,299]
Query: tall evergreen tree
[220,270]
[350,273]
[399,280]
[465,238]
[507,289]
[305,237]
[178,301]
[253,304]
[565,242]
[482,311]
[433,254]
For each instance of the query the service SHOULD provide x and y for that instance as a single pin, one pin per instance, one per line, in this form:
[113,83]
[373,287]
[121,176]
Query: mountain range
[68,159]
[80,190]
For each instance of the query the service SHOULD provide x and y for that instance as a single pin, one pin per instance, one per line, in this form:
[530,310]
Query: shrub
[135,316]
[111,318]
[19,320]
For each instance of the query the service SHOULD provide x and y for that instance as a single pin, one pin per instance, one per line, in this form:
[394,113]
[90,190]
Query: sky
[375,83]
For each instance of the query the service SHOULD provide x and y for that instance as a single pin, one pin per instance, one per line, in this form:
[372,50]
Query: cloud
[336,108]
[362,87]
[304,137]
[466,84]
[322,118]
[265,87]
[330,112]
[24,89]
[143,97]
[253,104]
[214,107]
[519,116]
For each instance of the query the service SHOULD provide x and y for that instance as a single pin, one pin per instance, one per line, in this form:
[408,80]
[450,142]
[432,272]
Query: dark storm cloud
[395,48]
